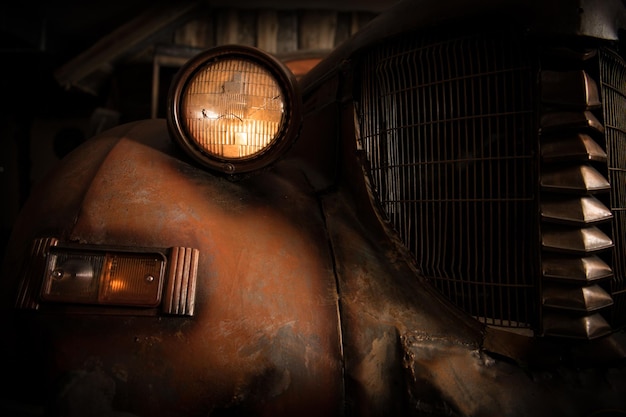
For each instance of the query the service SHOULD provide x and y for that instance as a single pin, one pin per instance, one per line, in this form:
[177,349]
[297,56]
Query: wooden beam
[341,5]
[122,40]
[197,33]
[167,56]
[247,27]
[227,27]
[317,30]
[267,31]
[287,36]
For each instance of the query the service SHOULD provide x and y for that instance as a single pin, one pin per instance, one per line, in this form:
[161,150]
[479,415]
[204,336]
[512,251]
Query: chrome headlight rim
[284,138]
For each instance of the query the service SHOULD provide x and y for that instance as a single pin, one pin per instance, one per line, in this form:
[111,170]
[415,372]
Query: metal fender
[264,336]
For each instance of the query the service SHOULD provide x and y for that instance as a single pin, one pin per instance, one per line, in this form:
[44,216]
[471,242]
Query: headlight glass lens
[233,108]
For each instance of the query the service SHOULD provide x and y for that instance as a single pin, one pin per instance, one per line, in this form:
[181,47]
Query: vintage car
[431,222]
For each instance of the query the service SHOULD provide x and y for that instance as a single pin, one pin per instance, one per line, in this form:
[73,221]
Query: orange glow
[234,109]
[117,285]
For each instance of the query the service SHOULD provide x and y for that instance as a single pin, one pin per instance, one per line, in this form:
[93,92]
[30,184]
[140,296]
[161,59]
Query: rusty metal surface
[265,335]
[408,351]
[266,338]
[306,304]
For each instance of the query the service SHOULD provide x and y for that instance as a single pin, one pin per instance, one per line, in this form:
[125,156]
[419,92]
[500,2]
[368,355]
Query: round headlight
[234,108]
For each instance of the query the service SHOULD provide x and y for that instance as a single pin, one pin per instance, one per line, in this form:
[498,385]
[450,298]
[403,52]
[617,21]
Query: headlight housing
[234,109]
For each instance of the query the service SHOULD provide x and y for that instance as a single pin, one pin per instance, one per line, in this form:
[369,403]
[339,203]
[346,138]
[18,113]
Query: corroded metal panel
[264,336]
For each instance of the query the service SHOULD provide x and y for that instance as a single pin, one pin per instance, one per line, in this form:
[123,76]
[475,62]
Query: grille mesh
[449,129]
[613,85]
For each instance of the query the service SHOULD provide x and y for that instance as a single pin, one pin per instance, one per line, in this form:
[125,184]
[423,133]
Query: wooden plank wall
[276,31]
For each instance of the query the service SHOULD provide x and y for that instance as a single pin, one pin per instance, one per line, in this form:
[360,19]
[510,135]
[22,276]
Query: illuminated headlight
[234,109]
[104,277]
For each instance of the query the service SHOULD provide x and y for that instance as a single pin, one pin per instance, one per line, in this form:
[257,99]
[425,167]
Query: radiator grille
[484,197]
[613,90]
[449,127]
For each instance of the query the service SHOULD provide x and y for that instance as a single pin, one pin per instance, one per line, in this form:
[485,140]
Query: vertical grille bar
[449,127]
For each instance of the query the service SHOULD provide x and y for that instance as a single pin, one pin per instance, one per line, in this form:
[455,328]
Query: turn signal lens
[234,108]
[104,278]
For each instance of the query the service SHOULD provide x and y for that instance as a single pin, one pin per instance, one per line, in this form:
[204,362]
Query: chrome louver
[493,160]
[575,198]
